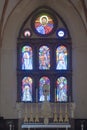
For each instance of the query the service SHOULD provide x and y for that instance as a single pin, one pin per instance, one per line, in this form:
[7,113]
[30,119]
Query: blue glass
[44,58]
[27,56]
[61,94]
[44,24]
[61,58]
[61,33]
[26,89]
[44,86]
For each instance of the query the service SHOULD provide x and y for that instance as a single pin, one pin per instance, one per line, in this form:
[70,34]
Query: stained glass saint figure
[61,89]
[61,58]
[27,89]
[27,58]
[44,58]
[44,85]
[44,24]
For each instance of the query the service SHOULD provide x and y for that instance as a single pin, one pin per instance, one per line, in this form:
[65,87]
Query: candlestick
[66,114]
[36,118]
[60,115]
[31,115]
[25,116]
[36,95]
[26,108]
[55,94]
[55,115]
[25,119]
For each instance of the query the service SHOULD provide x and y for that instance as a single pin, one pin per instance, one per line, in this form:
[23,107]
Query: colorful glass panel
[61,94]
[44,24]
[27,33]
[44,89]
[26,89]
[44,58]
[27,58]
[61,32]
[61,58]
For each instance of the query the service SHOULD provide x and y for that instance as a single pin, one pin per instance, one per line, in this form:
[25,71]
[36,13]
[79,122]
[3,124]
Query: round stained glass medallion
[27,33]
[44,24]
[61,33]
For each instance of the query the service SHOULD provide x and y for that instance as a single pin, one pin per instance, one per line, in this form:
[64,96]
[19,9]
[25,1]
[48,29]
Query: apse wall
[9,54]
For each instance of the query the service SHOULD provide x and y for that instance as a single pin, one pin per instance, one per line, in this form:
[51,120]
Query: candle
[66,108]
[36,95]
[55,94]
[60,107]
[31,109]
[25,108]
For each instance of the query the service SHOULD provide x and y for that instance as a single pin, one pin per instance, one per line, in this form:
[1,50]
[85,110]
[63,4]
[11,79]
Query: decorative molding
[84,3]
[2,19]
[81,11]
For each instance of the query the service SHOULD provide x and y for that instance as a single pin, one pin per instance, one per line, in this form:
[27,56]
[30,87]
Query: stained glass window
[61,33]
[61,89]
[44,24]
[44,87]
[26,89]
[44,58]
[27,33]
[27,58]
[61,58]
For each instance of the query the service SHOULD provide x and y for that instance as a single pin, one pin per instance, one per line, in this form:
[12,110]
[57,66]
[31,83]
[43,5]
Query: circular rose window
[44,24]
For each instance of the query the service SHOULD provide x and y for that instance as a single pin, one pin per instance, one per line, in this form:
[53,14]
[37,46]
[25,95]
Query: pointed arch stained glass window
[44,85]
[61,58]
[27,56]
[44,58]
[26,89]
[61,95]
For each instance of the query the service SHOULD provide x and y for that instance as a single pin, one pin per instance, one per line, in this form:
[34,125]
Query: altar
[46,115]
[38,116]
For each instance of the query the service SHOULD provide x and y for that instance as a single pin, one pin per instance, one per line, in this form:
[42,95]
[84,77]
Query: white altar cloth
[50,125]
